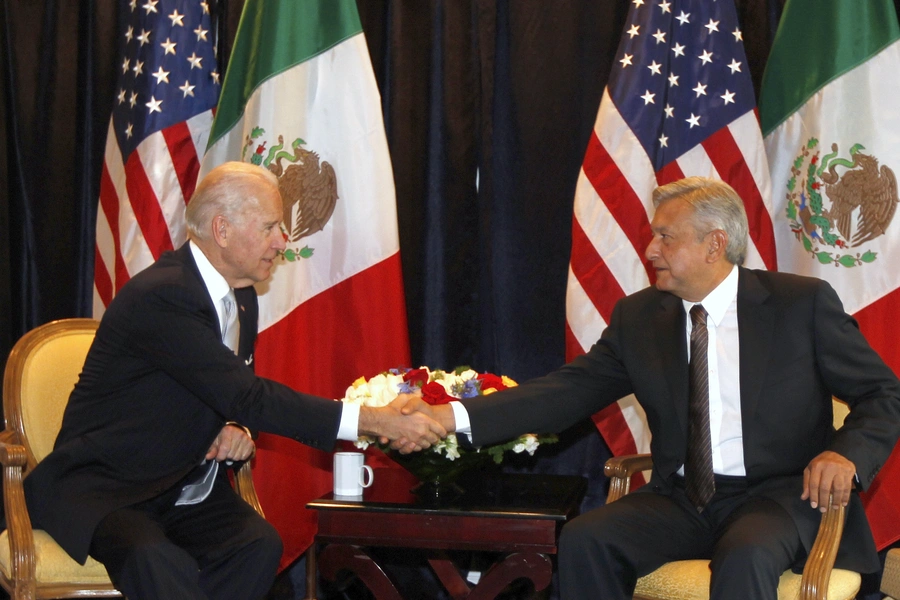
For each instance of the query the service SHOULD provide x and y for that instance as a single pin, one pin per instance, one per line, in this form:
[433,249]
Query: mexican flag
[832,136]
[300,99]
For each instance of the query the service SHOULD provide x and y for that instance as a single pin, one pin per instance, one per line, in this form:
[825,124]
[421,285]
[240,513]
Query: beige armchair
[890,578]
[689,579]
[40,374]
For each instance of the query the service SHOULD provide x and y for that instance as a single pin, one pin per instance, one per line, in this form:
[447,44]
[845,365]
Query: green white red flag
[300,98]
[832,137]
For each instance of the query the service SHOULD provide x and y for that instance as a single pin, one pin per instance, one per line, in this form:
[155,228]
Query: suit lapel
[756,332]
[669,329]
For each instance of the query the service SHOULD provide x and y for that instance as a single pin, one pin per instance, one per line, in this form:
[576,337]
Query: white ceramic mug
[351,475]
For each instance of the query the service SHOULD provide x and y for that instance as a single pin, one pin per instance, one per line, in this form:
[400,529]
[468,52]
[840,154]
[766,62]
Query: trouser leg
[603,552]
[236,549]
[140,559]
[756,543]
[219,549]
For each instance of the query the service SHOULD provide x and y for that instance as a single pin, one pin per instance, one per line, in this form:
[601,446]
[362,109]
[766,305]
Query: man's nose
[279,243]
[652,249]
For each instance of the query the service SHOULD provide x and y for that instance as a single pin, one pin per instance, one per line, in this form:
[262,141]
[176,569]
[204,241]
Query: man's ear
[220,229]
[718,240]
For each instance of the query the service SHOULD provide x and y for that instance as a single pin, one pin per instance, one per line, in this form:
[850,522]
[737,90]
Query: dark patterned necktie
[698,468]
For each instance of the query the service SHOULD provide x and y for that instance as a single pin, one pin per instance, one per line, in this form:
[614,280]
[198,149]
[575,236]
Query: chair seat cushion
[689,580]
[53,565]
[890,578]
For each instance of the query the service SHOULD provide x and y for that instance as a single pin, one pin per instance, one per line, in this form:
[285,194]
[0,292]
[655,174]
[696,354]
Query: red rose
[489,380]
[416,377]
[433,393]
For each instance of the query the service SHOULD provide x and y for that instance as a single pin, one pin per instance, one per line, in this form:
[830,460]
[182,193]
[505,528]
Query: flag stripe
[732,167]
[184,157]
[146,208]
[617,194]
[591,271]
[102,282]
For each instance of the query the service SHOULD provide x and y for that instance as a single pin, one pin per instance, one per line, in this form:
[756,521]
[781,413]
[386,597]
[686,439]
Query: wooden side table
[518,516]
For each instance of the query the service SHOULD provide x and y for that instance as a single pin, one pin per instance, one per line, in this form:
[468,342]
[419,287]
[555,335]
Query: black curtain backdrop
[488,105]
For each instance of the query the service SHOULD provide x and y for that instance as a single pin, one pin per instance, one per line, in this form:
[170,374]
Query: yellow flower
[488,391]
[359,382]
[508,382]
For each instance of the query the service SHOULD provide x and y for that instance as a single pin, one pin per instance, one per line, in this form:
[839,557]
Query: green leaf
[306,252]
[868,256]
[807,244]
[812,143]
[791,211]
[824,257]
[847,260]
[290,255]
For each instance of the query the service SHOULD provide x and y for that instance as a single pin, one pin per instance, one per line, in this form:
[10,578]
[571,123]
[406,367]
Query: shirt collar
[718,300]
[215,283]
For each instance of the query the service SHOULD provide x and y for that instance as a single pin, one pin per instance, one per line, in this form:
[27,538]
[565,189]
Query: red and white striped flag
[167,89]
[679,102]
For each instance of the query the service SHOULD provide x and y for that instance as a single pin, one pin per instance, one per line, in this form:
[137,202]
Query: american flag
[167,89]
[679,102]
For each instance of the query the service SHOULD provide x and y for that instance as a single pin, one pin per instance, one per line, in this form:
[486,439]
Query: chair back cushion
[45,371]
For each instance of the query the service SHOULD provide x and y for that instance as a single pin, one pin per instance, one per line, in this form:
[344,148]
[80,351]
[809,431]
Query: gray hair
[716,206]
[228,190]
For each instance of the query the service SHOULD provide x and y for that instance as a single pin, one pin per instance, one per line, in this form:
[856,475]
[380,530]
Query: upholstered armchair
[689,579]
[41,372]
[890,578]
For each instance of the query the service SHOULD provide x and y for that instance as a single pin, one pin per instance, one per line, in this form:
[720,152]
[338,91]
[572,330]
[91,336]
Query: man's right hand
[410,404]
[406,432]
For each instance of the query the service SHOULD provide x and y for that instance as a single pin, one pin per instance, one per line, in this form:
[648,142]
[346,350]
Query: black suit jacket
[797,348]
[157,386]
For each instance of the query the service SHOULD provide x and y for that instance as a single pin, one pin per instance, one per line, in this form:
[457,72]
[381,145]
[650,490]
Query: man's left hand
[828,473]
[232,444]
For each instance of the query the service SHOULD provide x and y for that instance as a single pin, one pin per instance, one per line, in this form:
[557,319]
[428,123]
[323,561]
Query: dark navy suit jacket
[797,348]
[157,386]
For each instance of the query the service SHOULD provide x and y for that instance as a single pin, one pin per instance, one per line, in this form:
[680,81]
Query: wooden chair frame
[816,573]
[17,460]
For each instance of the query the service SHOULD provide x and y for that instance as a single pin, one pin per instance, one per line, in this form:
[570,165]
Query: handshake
[408,423]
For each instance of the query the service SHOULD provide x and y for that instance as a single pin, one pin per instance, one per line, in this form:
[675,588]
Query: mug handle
[367,479]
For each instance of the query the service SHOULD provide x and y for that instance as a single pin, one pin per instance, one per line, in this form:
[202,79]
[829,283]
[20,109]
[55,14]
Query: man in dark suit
[744,484]
[166,391]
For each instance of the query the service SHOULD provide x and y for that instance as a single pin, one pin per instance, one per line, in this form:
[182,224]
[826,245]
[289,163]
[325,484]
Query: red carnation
[416,377]
[489,380]
[433,393]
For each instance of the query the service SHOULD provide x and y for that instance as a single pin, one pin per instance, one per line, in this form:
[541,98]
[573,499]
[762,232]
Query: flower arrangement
[447,458]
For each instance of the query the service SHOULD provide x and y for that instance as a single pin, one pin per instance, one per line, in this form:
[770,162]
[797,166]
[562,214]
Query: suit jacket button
[657,488]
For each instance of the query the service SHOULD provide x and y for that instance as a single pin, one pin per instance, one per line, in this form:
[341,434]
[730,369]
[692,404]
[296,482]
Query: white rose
[382,390]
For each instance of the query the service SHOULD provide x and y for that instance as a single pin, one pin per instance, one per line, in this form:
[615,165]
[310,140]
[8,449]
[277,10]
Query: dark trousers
[749,540]
[218,549]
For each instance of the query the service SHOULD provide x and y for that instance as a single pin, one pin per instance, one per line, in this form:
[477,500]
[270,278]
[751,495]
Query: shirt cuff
[463,425]
[349,428]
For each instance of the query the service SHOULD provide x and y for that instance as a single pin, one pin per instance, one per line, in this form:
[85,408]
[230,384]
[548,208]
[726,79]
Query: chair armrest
[817,572]
[619,469]
[243,483]
[14,458]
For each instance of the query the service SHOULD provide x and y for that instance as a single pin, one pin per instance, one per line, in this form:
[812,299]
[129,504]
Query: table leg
[311,573]
[338,557]
[449,576]
[530,565]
